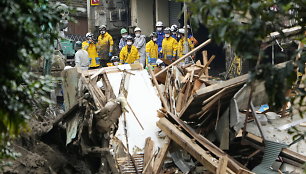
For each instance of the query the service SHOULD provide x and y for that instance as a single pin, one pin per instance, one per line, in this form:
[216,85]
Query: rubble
[117,120]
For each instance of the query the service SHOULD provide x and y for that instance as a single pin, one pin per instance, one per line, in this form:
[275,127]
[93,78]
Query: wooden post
[205,60]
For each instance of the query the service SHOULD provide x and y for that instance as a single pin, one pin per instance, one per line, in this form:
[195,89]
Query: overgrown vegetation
[245,25]
[28,30]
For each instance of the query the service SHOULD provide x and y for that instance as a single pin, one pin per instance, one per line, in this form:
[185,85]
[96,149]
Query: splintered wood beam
[222,165]
[205,60]
[186,143]
[218,86]
[233,164]
[160,158]
[148,154]
[161,96]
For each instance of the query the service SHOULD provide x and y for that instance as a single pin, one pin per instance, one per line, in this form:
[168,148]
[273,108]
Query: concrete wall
[162,12]
[142,15]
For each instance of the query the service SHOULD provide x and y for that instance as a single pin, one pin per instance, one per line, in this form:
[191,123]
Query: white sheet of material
[144,100]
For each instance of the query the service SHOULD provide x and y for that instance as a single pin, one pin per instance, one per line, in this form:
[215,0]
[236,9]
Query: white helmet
[102,27]
[89,34]
[174,28]
[159,24]
[181,31]
[137,29]
[188,26]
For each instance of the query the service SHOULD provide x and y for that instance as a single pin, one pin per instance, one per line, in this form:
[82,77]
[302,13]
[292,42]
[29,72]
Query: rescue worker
[180,47]
[140,44]
[124,34]
[191,37]
[90,46]
[174,29]
[81,57]
[160,34]
[129,53]
[169,46]
[152,50]
[105,45]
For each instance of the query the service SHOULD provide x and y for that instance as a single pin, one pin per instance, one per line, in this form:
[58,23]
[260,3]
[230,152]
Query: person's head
[124,32]
[188,29]
[174,29]
[89,36]
[78,45]
[181,32]
[159,26]
[102,29]
[129,40]
[137,31]
[153,36]
[167,32]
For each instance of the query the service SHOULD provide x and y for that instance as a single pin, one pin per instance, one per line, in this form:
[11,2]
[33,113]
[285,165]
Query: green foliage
[245,25]
[28,29]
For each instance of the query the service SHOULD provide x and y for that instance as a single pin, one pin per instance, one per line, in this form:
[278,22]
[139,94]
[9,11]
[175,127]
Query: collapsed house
[125,119]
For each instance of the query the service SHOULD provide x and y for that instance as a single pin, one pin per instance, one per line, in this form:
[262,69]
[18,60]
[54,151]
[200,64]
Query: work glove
[110,54]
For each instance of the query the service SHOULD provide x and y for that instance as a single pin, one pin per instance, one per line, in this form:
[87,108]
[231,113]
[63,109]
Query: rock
[272,115]
[263,119]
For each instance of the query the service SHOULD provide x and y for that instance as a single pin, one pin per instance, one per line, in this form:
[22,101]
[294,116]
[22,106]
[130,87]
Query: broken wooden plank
[194,68]
[218,86]
[70,83]
[205,61]
[183,57]
[148,154]
[149,163]
[233,164]
[161,96]
[197,85]
[206,66]
[159,160]
[96,74]
[188,144]
[208,103]
[222,165]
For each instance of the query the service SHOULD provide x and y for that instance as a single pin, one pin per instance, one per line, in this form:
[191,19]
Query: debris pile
[117,120]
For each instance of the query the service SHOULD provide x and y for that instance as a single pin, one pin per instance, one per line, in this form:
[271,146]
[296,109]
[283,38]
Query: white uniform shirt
[81,59]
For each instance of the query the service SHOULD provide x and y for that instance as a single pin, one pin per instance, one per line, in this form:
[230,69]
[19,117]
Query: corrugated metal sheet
[174,12]
[271,152]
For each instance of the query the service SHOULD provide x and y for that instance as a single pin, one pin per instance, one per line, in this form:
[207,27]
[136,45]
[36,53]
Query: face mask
[137,34]
[159,28]
[154,39]
[89,38]
[174,33]
[179,36]
[167,35]
[103,32]
[124,36]
[129,43]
